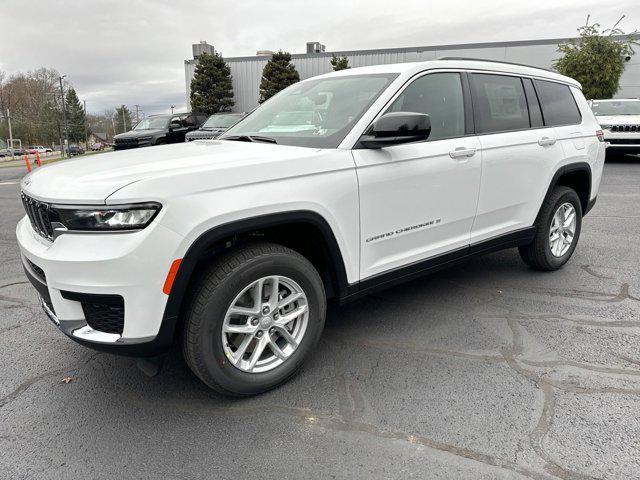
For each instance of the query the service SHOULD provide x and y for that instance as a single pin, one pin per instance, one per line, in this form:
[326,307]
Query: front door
[419,200]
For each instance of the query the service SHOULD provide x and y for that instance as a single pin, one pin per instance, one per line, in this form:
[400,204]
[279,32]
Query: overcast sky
[132,51]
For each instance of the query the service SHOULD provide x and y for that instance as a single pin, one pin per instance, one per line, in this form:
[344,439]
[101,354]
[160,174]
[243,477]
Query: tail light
[600,135]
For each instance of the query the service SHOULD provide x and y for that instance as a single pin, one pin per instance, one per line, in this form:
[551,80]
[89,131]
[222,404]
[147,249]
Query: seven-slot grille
[38,213]
[625,128]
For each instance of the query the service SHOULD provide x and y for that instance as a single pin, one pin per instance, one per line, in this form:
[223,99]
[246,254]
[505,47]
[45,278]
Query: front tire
[255,316]
[558,229]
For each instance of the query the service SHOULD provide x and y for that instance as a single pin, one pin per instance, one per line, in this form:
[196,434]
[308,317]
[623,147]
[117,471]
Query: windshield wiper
[250,138]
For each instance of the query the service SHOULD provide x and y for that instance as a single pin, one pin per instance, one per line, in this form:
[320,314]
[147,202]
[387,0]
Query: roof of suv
[462,63]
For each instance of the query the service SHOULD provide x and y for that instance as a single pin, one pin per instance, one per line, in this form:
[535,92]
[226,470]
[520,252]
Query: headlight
[107,218]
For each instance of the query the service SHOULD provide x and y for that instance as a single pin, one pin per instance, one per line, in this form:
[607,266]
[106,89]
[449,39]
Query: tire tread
[218,272]
[534,254]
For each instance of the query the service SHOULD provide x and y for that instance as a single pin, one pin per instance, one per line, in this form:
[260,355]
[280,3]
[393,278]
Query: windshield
[221,121]
[616,108]
[314,113]
[152,123]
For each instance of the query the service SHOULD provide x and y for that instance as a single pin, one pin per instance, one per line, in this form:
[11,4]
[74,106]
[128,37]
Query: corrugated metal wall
[247,71]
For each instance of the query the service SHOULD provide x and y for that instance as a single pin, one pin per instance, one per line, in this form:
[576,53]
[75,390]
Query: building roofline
[419,49]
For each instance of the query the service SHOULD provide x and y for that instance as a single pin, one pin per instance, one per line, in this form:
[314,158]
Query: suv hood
[138,133]
[93,180]
[618,119]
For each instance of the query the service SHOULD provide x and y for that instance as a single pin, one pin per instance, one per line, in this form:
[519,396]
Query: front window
[315,113]
[152,123]
[439,95]
[616,108]
[221,121]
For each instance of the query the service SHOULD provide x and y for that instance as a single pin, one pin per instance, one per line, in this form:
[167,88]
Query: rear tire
[244,280]
[549,249]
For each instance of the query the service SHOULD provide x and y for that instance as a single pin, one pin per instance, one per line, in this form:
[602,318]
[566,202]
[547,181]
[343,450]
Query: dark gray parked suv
[216,125]
[159,129]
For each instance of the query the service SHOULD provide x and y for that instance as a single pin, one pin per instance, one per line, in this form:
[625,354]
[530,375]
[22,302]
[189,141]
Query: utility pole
[113,125]
[124,119]
[64,116]
[10,133]
[86,137]
[137,114]
[172,107]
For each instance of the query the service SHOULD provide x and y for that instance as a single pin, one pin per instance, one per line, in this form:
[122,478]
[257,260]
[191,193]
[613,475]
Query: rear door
[518,153]
[560,111]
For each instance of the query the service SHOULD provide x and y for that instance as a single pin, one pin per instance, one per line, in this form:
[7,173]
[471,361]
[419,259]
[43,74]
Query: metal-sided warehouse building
[247,71]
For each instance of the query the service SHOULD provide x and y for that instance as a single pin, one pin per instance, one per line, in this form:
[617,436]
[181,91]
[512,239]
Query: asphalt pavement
[484,371]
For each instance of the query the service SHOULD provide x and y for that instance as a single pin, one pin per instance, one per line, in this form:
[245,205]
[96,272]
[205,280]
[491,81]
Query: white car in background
[620,121]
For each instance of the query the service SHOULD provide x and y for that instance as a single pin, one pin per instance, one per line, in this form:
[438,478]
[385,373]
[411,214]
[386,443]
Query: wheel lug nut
[265,310]
[259,334]
[275,316]
[272,330]
[254,321]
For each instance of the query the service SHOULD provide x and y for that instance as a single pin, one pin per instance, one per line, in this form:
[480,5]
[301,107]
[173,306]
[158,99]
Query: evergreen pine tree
[211,87]
[277,75]
[339,63]
[75,116]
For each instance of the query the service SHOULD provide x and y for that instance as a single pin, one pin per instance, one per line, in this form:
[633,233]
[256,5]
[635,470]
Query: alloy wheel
[563,229]
[265,324]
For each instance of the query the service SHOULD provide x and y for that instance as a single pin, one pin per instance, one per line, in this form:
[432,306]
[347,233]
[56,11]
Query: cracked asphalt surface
[484,371]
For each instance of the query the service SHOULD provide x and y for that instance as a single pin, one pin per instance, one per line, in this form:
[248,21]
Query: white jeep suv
[233,246]
[620,122]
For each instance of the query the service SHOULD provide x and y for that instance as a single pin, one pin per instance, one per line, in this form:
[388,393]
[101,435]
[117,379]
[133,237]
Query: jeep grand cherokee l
[158,130]
[232,247]
[620,122]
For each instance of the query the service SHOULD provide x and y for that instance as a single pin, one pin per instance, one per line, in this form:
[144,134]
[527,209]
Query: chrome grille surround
[38,213]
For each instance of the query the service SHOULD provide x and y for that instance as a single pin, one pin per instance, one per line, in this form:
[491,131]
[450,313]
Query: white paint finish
[243,180]
[515,169]
[360,193]
[408,185]
[133,265]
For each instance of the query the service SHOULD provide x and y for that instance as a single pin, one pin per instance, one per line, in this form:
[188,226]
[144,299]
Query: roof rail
[495,61]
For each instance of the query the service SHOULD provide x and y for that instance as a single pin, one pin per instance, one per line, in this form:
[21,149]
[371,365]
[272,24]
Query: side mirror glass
[396,128]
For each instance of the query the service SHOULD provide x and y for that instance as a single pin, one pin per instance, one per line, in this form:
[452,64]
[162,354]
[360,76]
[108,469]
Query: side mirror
[396,128]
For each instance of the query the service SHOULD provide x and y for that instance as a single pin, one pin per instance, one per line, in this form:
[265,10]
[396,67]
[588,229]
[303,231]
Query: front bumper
[627,141]
[130,265]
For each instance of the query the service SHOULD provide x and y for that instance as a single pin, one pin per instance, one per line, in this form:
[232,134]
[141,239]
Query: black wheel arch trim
[199,247]
[571,167]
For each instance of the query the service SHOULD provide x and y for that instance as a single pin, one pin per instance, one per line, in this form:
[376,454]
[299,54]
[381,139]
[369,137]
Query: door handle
[546,141]
[462,152]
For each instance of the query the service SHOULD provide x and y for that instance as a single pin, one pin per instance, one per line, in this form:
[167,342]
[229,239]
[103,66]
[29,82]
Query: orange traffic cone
[38,159]
[26,160]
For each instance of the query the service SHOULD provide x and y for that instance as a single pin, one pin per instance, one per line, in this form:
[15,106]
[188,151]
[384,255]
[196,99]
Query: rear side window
[499,102]
[558,105]
[439,95]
